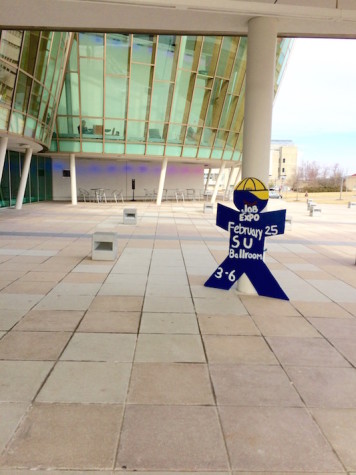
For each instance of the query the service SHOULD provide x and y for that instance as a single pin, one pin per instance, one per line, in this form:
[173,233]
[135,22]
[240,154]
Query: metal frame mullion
[152,85]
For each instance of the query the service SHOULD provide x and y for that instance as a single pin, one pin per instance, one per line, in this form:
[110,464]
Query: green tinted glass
[166,58]
[161,100]
[140,87]
[91,45]
[143,48]
[115,96]
[117,54]
[91,86]
[10,45]
[29,51]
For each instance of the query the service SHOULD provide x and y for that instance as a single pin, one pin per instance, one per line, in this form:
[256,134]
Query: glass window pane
[176,133]
[136,131]
[238,73]
[209,55]
[117,53]
[91,86]
[140,86]
[91,44]
[166,58]
[204,153]
[33,180]
[30,129]
[155,150]
[14,174]
[208,137]
[29,51]
[7,83]
[216,102]
[199,106]
[48,177]
[115,96]
[35,99]
[180,96]
[111,147]
[161,101]
[69,146]
[10,46]
[44,103]
[114,129]
[173,151]
[22,92]
[216,154]
[228,111]
[239,114]
[73,58]
[17,123]
[142,48]
[220,139]
[190,51]
[4,118]
[5,184]
[96,147]
[69,103]
[189,152]
[155,132]
[135,149]
[227,56]
[68,127]
[42,59]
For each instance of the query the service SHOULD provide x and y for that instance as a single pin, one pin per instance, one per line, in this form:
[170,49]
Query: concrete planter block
[208,207]
[130,216]
[104,246]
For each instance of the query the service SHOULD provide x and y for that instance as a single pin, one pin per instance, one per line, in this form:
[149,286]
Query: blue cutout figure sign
[248,229]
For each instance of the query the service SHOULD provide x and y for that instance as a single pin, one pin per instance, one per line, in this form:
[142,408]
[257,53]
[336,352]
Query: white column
[227,190]
[73,179]
[216,189]
[259,95]
[161,181]
[24,176]
[3,146]
[207,180]
[238,177]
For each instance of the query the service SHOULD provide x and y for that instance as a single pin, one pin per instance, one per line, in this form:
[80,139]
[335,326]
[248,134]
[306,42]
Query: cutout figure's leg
[225,275]
[263,281]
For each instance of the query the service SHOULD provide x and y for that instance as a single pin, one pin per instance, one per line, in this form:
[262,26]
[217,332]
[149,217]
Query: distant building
[350,182]
[283,163]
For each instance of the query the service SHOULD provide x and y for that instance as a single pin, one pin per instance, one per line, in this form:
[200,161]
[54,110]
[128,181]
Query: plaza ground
[133,366]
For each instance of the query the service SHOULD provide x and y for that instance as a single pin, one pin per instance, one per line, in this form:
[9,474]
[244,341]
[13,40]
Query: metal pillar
[259,95]
[215,192]
[24,177]
[3,147]
[161,181]
[73,179]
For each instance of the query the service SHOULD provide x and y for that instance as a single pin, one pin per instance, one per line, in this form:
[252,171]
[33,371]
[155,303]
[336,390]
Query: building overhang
[322,18]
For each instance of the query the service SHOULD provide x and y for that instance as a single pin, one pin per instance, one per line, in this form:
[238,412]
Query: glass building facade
[32,65]
[154,96]
[122,96]
[39,183]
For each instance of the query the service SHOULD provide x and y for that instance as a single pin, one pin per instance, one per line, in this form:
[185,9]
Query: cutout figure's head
[251,194]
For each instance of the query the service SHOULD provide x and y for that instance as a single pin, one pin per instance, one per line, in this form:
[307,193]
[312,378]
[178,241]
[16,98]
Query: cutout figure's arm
[225,215]
[273,222]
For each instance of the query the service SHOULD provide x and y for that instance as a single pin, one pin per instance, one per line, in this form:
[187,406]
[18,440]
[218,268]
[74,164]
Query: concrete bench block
[208,207]
[104,246]
[315,210]
[130,216]
[351,203]
[289,221]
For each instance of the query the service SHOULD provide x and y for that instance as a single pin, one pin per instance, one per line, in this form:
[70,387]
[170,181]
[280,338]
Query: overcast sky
[316,103]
